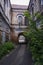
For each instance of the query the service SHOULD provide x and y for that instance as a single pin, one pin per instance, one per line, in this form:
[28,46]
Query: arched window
[20,19]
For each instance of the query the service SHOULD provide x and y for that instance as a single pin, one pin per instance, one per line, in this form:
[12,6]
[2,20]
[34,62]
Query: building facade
[5,20]
[12,21]
[34,7]
[18,19]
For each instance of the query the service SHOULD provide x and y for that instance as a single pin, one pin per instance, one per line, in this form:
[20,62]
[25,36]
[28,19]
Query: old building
[34,7]
[5,20]
[12,20]
[18,19]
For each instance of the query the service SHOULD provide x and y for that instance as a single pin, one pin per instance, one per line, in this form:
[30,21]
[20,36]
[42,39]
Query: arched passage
[21,38]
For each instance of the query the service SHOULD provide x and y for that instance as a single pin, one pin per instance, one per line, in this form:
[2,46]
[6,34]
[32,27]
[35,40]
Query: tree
[35,37]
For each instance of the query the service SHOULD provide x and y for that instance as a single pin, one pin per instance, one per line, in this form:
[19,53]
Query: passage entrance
[21,39]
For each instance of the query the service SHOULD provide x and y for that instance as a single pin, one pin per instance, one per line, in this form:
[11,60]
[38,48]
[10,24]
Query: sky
[20,2]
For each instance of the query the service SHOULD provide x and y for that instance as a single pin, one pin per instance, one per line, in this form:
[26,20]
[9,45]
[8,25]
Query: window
[0,23]
[4,3]
[20,19]
[7,3]
[0,36]
[3,36]
[41,2]
[7,37]
[26,21]
[38,23]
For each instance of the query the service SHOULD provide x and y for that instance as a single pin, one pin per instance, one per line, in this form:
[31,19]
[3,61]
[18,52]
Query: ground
[20,56]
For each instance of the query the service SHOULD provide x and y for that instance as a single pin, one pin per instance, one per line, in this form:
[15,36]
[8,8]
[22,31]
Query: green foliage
[35,40]
[36,45]
[39,16]
[6,48]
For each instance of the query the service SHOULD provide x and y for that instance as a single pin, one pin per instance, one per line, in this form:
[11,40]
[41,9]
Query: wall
[5,20]
[6,6]
[14,16]
[36,4]
[34,7]
[16,12]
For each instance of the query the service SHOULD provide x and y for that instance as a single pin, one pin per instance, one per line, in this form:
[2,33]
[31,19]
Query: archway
[21,38]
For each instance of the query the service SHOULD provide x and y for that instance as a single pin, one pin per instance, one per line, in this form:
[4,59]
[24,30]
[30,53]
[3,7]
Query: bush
[35,42]
[35,37]
[8,45]
[6,48]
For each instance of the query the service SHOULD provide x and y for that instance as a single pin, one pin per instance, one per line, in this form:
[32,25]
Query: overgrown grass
[6,48]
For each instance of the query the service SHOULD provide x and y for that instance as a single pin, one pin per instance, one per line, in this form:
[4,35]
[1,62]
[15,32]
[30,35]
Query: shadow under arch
[21,34]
